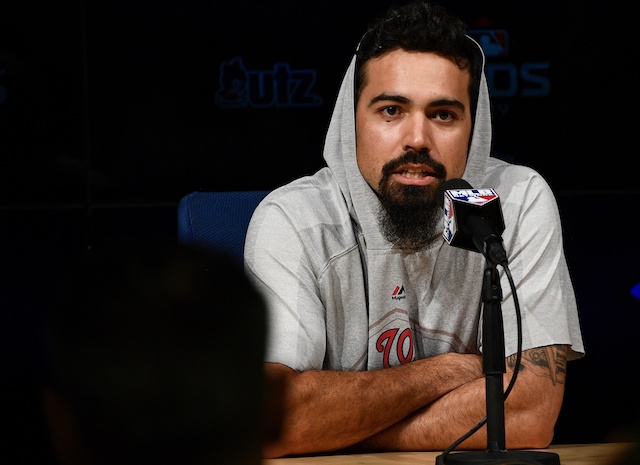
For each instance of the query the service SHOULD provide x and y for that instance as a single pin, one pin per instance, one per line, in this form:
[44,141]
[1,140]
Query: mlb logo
[494,42]
[449,221]
[477,197]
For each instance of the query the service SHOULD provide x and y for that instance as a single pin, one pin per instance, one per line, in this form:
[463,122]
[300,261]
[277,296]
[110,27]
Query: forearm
[531,411]
[437,425]
[330,410]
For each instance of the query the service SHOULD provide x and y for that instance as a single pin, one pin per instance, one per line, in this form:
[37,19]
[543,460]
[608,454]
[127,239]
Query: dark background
[108,116]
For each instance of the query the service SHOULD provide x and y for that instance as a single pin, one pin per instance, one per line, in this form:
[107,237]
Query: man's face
[413,102]
[413,126]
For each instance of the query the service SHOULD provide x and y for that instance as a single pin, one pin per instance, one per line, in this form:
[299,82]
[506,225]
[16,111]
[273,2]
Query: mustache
[414,157]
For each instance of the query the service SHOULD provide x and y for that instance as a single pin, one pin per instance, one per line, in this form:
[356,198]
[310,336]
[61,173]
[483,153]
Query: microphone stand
[493,366]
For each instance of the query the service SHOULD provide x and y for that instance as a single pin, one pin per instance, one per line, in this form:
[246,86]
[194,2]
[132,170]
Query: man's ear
[63,431]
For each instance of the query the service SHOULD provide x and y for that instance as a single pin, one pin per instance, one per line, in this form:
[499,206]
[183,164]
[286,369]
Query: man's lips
[418,175]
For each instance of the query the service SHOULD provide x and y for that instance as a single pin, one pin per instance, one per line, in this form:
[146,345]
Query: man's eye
[390,111]
[444,116]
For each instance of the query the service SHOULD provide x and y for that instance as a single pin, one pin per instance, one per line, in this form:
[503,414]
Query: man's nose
[417,135]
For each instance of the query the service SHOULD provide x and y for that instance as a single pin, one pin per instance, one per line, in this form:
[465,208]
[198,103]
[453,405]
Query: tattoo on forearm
[548,361]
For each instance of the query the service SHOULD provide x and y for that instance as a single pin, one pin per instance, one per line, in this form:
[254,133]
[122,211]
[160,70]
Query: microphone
[473,219]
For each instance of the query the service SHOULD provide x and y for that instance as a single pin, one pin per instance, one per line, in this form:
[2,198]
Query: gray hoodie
[342,297]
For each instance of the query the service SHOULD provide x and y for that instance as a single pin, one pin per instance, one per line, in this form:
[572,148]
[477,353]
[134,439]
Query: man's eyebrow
[389,98]
[448,102]
[443,102]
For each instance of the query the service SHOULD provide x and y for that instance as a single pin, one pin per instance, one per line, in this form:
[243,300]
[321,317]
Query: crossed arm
[423,405]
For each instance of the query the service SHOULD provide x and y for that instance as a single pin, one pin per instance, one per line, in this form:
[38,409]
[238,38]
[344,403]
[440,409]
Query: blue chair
[217,220]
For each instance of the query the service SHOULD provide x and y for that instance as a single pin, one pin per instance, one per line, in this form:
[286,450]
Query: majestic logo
[398,293]
[280,87]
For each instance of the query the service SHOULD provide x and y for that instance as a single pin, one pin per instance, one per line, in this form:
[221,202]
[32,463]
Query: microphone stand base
[518,457]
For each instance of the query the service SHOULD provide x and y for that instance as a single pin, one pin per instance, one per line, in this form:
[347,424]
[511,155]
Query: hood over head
[340,154]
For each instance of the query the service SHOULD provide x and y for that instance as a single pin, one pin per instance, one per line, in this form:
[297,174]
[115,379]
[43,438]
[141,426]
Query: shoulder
[309,213]
[305,202]
[526,197]
[517,183]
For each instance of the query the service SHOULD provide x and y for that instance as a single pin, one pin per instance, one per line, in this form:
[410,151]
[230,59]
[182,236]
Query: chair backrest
[217,220]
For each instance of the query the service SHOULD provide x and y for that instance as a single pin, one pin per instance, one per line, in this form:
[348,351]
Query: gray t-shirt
[342,297]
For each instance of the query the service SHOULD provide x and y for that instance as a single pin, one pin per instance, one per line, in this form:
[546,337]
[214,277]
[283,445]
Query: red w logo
[387,341]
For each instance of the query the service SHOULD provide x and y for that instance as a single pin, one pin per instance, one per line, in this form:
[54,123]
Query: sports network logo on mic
[457,199]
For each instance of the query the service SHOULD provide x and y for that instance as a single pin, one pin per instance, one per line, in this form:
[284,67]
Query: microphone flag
[460,203]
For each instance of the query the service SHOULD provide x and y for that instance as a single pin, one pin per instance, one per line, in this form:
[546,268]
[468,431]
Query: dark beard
[410,216]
